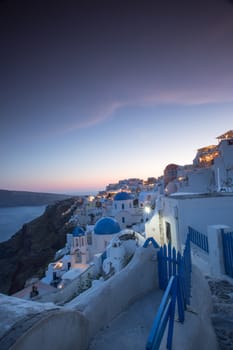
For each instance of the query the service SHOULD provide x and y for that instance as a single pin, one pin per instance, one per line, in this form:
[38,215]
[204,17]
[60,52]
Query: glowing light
[58,265]
[147,210]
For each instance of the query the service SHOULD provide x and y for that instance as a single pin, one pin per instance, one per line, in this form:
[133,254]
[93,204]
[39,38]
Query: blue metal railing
[166,315]
[227,243]
[198,239]
[171,263]
[167,264]
[174,272]
[152,241]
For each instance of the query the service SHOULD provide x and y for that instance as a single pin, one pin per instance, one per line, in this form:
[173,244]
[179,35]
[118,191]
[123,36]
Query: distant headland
[23,198]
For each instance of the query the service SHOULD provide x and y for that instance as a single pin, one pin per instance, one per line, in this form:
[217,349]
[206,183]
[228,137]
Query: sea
[13,218]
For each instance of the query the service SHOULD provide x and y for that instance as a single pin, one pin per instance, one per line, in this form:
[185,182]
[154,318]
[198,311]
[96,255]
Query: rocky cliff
[29,251]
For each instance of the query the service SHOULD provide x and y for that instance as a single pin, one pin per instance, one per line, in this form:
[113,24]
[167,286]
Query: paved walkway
[131,328]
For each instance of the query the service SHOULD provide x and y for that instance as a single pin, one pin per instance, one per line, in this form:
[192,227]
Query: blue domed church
[104,230]
[84,245]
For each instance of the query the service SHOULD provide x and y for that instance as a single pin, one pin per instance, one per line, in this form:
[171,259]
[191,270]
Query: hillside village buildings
[110,229]
[84,246]
[196,195]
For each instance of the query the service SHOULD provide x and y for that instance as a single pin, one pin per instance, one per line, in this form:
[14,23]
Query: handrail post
[172,313]
[180,301]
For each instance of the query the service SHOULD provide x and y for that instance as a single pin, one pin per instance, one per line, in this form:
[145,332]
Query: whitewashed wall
[197,212]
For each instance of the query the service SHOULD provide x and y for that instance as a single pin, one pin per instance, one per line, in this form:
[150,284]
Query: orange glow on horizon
[61,186]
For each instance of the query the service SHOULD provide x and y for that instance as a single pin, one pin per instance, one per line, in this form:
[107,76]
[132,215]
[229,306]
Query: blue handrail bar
[174,272]
[165,314]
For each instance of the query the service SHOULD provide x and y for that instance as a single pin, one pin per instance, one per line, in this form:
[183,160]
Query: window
[168,232]
[123,220]
[89,238]
[78,257]
[122,206]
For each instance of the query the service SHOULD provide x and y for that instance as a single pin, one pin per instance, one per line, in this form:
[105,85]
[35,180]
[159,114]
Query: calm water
[12,219]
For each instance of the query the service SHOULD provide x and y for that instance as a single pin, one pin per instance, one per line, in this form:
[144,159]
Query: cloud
[101,112]
[93,116]
[187,97]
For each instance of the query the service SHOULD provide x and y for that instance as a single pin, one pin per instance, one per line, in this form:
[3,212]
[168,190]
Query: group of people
[34,292]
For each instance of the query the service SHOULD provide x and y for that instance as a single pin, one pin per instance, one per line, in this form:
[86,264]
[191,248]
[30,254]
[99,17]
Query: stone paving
[222,316]
[130,330]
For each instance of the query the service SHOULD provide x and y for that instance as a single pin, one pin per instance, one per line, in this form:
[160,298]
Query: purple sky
[96,91]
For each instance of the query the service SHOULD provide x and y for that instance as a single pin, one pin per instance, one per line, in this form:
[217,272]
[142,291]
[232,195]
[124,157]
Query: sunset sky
[92,92]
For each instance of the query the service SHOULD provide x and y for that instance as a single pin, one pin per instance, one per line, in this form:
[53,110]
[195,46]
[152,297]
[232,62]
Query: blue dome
[78,231]
[106,226]
[122,196]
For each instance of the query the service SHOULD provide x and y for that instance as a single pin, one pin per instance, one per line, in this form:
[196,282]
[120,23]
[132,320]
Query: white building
[76,253]
[121,249]
[147,199]
[123,210]
[223,164]
[212,169]
[196,210]
[56,270]
[200,196]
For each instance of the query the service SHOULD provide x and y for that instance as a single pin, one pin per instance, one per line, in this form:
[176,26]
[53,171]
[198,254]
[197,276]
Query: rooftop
[106,226]
[122,196]
[186,195]
[226,135]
